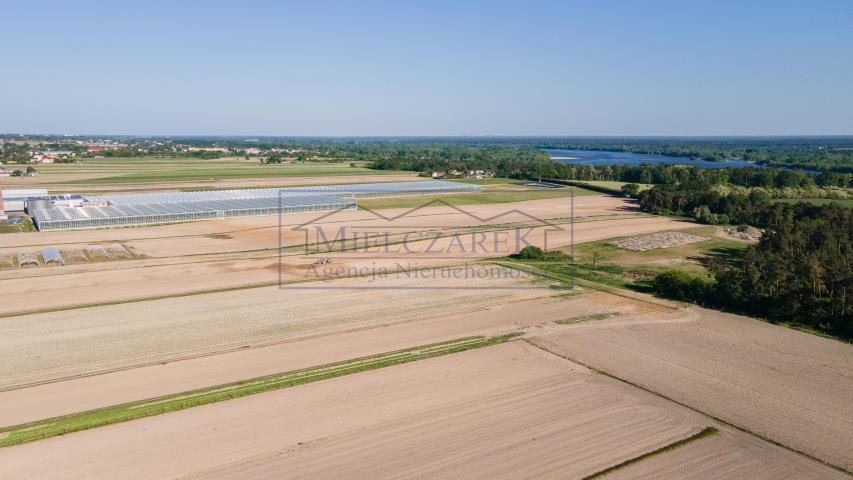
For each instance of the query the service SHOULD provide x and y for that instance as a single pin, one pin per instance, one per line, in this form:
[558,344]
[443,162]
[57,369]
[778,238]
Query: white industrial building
[14,200]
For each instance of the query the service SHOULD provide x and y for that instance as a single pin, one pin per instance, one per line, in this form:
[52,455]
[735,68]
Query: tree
[31,169]
[17,173]
[702,214]
[630,189]
[680,286]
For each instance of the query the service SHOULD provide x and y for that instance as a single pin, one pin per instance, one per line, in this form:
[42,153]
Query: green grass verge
[42,429]
[706,432]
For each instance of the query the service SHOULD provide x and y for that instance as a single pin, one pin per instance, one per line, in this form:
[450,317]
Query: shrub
[531,252]
[630,189]
[679,285]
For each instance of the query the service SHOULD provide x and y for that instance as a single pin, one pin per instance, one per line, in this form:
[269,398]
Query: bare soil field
[57,344]
[506,411]
[129,280]
[423,218]
[726,455]
[216,366]
[791,387]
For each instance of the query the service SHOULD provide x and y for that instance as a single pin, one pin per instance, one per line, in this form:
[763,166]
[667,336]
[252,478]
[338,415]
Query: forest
[801,272]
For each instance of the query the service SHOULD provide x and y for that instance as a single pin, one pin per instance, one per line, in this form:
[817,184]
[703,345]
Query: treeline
[816,153]
[801,271]
[516,165]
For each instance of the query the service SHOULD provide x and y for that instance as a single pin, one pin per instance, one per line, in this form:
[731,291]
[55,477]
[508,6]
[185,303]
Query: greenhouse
[66,218]
[103,211]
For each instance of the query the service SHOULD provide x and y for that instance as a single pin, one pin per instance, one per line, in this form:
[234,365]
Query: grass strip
[706,432]
[47,428]
[585,318]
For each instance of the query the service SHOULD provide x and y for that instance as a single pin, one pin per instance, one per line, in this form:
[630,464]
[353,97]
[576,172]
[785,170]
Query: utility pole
[572,239]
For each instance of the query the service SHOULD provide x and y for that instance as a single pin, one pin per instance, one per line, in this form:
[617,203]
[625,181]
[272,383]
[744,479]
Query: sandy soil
[508,411]
[122,281]
[50,345]
[726,456]
[302,350]
[792,387]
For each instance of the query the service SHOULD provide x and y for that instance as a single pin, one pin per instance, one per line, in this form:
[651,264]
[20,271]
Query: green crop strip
[585,318]
[706,432]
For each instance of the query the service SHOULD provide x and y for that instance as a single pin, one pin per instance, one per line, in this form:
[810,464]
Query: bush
[630,189]
[531,252]
[679,285]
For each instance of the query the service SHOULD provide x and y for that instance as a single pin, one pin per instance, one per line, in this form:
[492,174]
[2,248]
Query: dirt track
[789,386]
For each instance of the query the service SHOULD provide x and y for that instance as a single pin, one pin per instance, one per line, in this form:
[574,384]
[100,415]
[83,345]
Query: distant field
[816,201]
[485,181]
[614,185]
[497,195]
[160,169]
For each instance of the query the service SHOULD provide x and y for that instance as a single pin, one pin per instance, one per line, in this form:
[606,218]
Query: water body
[597,157]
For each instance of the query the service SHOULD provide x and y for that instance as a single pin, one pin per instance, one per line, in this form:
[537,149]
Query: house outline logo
[387,221]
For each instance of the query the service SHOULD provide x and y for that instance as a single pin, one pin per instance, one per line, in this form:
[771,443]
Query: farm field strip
[172,371]
[705,432]
[107,286]
[40,430]
[498,412]
[729,368]
[58,344]
[726,455]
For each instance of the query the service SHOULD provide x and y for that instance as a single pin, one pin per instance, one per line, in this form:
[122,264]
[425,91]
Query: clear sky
[746,67]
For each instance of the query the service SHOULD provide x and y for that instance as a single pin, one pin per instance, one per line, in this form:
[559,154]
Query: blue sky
[427,68]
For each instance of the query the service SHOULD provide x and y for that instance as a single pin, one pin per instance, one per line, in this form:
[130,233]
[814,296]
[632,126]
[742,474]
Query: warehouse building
[15,200]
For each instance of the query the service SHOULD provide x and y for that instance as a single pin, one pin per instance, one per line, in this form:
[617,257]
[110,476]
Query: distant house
[437,174]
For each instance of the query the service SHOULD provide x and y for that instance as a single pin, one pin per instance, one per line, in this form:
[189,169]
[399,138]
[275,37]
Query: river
[597,157]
